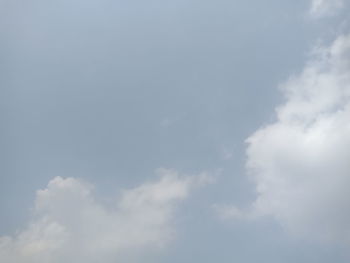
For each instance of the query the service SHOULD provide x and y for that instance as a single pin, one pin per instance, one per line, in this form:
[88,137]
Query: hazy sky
[174,131]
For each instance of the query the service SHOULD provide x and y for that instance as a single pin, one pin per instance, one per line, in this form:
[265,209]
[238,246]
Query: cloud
[227,212]
[320,8]
[71,226]
[300,165]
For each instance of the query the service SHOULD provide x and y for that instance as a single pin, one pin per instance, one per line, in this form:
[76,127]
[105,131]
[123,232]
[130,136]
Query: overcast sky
[174,131]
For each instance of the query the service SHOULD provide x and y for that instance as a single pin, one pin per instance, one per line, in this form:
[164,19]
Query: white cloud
[71,226]
[227,212]
[300,164]
[321,8]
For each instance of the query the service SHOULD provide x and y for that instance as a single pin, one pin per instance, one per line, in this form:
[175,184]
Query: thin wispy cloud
[321,8]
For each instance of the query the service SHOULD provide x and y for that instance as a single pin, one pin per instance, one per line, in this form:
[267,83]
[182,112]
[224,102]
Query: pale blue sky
[109,91]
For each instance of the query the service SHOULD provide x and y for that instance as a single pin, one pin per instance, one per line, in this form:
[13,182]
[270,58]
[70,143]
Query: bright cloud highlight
[300,164]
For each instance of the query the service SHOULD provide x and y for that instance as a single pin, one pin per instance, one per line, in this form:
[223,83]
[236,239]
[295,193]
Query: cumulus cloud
[72,226]
[300,164]
[321,8]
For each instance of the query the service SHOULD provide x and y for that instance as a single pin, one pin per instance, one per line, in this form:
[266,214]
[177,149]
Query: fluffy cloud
[71,226]
[300,164]
[321,8]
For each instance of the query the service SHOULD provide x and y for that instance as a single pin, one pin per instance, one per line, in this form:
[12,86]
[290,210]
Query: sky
[174,131]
